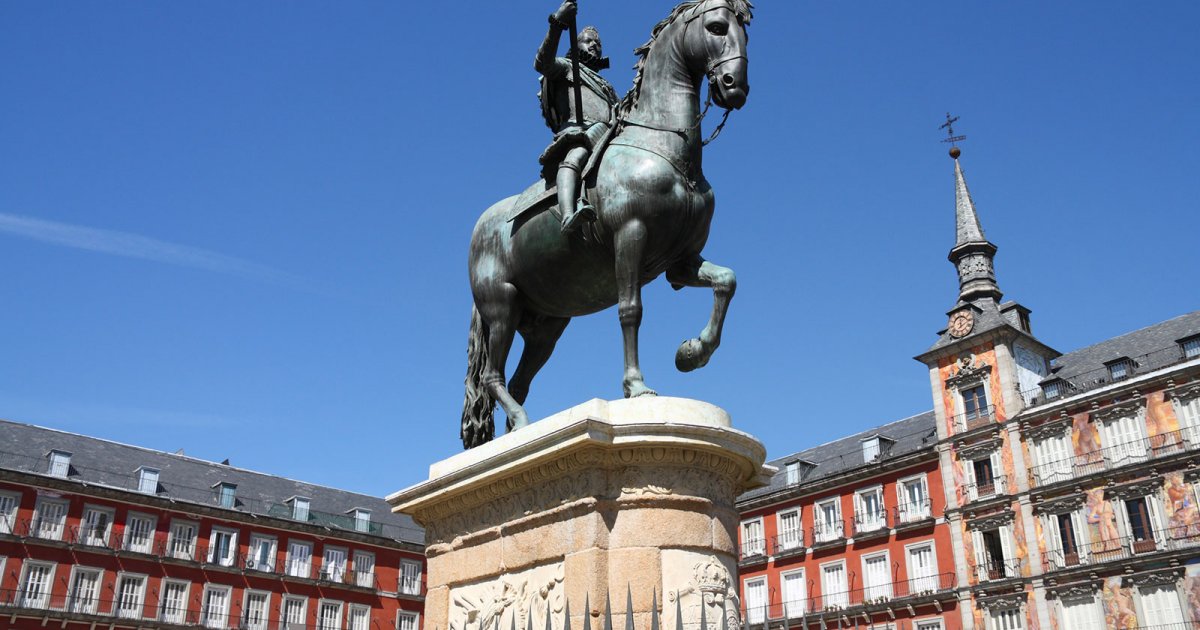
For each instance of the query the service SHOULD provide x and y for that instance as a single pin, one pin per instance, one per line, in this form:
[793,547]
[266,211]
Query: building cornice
[854,476]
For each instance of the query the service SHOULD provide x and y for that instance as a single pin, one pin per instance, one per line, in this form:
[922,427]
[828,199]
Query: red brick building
[99,534]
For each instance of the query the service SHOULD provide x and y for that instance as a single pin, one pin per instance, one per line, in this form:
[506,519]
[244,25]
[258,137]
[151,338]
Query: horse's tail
[478,425]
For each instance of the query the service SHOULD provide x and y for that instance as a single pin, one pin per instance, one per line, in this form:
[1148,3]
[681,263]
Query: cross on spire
[950,137]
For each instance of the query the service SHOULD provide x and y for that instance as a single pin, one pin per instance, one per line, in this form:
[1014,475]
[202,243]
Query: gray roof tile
[1154,346]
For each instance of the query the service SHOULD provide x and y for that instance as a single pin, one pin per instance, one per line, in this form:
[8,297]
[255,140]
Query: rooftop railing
[1115,456]
[1101,377]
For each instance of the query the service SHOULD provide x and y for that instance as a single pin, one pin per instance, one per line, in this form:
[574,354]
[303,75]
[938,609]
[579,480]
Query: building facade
[1063,488]
[99,534]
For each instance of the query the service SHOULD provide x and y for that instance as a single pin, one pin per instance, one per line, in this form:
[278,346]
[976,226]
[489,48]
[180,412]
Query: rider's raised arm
[547,62]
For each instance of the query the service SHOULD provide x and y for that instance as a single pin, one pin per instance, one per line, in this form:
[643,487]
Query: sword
[575,70]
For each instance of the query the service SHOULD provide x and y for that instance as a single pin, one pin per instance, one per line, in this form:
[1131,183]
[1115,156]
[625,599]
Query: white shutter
[794,595]
[1161,606]
[997,473]
[833,586]
[877,582]
[921,572]
[1082,614]
[1054,541]
[1079,526]
[1189,420]
[334,564]
[980,555]
[36,591]
[1006,549]
[969,477]
[756,601]
[789,529]
[1157,522]
[8,513]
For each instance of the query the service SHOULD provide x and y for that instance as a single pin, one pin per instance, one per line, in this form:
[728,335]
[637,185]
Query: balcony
[871,525]
[996,569]
[828,533]
[753,551]
[1183,537]
[915,514]
[971,420]
[1115,456]
[939,586]
[788,544]
[979,491]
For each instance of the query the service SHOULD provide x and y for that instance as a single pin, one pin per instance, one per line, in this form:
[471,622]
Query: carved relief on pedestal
[509,601]
[710,586]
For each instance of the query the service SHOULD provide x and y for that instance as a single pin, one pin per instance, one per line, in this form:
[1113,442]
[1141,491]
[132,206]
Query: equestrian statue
[622,200]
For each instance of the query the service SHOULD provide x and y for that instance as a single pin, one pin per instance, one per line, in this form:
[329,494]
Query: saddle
[543,194]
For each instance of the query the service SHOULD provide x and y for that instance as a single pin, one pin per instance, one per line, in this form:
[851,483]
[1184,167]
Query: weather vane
[950,137]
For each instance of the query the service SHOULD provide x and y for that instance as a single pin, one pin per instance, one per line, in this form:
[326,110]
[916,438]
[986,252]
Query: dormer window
[147,480]
[1120,369]
[226,494]
[362,520]
[870,449]
[1053,389]
[60,464]
[1190,347]
[793,472]
[300,509]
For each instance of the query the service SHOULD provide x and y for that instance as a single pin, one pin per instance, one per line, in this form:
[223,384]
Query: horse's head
[715,44]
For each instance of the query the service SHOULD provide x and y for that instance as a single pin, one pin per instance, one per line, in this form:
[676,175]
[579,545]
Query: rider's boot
[573,215]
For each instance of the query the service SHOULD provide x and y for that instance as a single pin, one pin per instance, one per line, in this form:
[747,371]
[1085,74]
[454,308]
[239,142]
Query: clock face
[961,323]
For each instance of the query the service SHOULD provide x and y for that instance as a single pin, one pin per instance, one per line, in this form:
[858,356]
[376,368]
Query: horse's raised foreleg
[540,335]
[697,272]
[630,243]
[501,313]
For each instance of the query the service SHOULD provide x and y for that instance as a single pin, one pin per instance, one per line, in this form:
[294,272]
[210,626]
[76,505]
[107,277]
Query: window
[364,568]
[147,480]
[833,586]
[792,472]
[974,401]
[752,538]
[1053,389]
[756,600]
[1006,619]
[877,580]
[869,515]
[130,591]
[256,610]
[922,569]
[870,449]
[299,559]
[1123,440]
[1120,369]
[362,520]
[60,464]
[139,533]
[222,547]
[49,518]
[827,522]
[1053,459]
[95,526]
[1082,614]
[914,499]
[1188,412]
[406,620]
[358,617]
[983,482]
[928,624]
[8,511]
[789,529]
[993,553]
[1190,347]
[1143,520]
[1063,537]
[36,581]
[182,543]
[410,577]
[85,591]
[300,509]
[1160,606]
[214,609]
[173,605]
[292,613]
[795,595]
[329,615]
[333,564]
[262,553]
[227,495]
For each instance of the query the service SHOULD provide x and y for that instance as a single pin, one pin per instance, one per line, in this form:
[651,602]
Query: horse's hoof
[690,356]
[638,389]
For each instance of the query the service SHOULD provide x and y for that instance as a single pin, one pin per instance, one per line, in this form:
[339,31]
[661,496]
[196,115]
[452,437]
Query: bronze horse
[654,208]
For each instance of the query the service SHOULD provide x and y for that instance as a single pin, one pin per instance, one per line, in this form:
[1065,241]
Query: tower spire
[972,253]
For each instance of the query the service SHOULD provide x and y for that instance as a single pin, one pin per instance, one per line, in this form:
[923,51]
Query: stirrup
[584,212]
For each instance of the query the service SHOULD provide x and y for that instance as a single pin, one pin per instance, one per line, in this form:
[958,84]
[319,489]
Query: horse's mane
[743,9]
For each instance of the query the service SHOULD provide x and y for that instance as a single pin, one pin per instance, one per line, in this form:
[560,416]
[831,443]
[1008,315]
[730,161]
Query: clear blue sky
[240,229]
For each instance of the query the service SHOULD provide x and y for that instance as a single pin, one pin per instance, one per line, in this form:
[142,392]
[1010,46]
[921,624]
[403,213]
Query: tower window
[974,402]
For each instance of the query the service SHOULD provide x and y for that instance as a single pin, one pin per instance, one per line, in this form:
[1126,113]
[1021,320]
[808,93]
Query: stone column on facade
[607,496]
[939,410]
[954,523]
[1010,390]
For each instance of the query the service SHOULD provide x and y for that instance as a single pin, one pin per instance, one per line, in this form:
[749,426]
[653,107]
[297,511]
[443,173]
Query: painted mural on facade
[1085,439]
[1183,517]
[1161,424]
[1119,612]
[1191,590]
[1101,522]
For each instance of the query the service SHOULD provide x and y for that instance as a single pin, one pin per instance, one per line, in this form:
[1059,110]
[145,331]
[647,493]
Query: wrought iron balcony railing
[788,542]
[1115,456]
[913,512]
[885,594]
[753,548]
[871,523]
[994,569]
[826,532]
[1167,539]
[980,490]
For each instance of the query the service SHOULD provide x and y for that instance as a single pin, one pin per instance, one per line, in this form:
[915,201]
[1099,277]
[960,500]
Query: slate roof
[987,317]
[839,456]
[25,448]
[1153,347]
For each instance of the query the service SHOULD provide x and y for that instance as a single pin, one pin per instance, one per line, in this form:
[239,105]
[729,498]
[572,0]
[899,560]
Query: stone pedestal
[599,500]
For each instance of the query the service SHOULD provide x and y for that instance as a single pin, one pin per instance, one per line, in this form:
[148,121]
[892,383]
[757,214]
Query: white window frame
[291,566]
[301,509]
[1118,452]
[1187,413]
[337,624]
[60,464]
[961,404]
[1144,613]
[93,606]
[410,581]
[221,618]
[997,466]
[362,520]
[10,506]
[1154,511]
[1055,549]
[222,487]
[147,480]
[141,595]
[871,449]
[1054,470]
[877,592]
[245,620]
[793,609]
[913,587]
[792,473]
[338,572]
[38,527]
[352,611]
[173,539]
[793,539]
[756,545]
[47,586]
[824,531]
[408,614]
[756,612]
[232,552]
[930,623]
[831,599]
[993,618]
[86,530]
[284,624]
[363,578]
[178,615]
[1090,601]
[880,519]
[909,513]
[128,543]
[1008,568]
[252,560]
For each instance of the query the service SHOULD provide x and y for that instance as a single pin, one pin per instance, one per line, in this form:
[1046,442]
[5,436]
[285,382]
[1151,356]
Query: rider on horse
[573,143]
